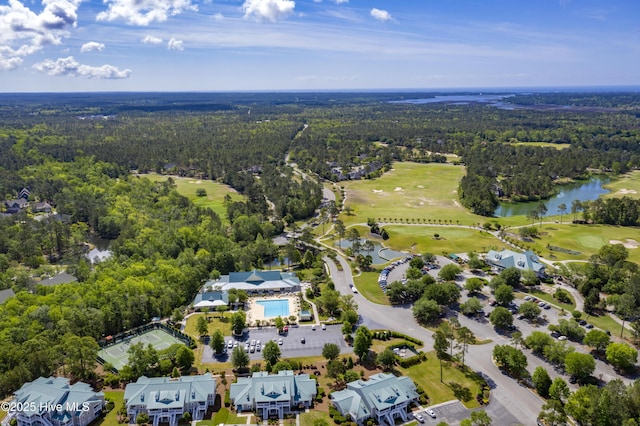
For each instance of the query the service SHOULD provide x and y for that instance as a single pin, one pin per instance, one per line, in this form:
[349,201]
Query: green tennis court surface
[117,354]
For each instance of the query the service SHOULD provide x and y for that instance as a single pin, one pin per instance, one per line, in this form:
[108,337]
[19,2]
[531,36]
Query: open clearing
[409,191]
[451,239]
[544,144]
[628,185]
[215,192]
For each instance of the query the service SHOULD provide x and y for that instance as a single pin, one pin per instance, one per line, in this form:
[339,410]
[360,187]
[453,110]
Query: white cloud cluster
[268,10]
[144,12]
[70,67]
[149,39]
[380,15]
[24,32]
[174,44]
[92,46]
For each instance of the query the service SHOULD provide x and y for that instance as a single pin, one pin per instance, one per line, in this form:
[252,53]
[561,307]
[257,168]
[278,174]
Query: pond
[380,255]
[583,191]
[100,250]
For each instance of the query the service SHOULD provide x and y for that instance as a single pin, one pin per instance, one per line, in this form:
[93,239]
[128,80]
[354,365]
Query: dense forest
[76,152]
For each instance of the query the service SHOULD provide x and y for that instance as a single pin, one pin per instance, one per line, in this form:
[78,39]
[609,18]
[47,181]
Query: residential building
[504,259]
[210,299]
[61,278]
[273,395]
[256,282]
[19,203]
[166,399]
[41,207]
[384,397]
[54,401]
[6,294]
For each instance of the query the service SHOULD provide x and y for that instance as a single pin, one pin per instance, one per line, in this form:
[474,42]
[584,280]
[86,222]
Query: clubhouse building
[255,283]
[501,260]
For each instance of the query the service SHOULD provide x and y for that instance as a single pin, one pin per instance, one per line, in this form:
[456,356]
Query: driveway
[518,402]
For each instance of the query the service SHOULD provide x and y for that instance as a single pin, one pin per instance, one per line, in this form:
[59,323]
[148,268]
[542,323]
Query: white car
[418,417]
[431,413]
[280,342]
[562,338]
[230,344]
[313,327]
[354,289]
[324,327]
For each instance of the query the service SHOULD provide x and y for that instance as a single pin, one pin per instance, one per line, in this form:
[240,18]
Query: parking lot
[292,346]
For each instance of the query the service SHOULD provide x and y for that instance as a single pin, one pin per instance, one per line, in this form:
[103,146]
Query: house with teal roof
[54,401]
[384,397]
[256,282]
[501,260]
[166,399]
[273,394]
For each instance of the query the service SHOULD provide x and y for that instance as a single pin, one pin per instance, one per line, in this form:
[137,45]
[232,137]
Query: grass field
[409,191]
[586,239]
[111,419]
[544,144]
[605,322]
[452,239]
[215,192]
[367,284]
[628,185]
[427,376]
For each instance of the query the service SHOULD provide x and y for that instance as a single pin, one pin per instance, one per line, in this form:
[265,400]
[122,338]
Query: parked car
[324,327]
[542,304]
[302,340]
[562,338]
[313,327]
[431,413]
[418,417]
[230,344]
[589,326]
[280,342]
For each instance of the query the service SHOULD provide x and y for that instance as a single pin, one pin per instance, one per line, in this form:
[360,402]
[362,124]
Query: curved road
[514,398]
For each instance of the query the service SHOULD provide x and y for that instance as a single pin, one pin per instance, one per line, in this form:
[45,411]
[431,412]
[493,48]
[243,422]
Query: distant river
[583,191]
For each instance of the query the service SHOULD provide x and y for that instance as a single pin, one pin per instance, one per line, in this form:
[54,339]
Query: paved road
[517,400]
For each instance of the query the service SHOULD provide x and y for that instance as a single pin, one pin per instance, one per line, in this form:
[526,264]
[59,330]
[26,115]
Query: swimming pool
[275,308]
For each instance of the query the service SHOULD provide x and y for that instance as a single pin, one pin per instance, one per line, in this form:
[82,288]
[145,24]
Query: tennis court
[118,355]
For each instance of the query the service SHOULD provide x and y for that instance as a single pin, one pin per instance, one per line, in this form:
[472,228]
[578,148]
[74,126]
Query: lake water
[379,255]
[457,99]
[583,191]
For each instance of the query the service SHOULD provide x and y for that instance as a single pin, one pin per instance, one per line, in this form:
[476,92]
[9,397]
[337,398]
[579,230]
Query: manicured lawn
[111,419]
[409,191]
[452,239]
[367,284]
[313,415]
[586,239]
[224,416]
[215,323]
[544,144]
[215,192]
[605,322]
[427,376]
[627,185]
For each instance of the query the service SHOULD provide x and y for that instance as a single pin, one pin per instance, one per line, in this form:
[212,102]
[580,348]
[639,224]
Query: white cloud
[24,32]
[149,39]
[9,64]
[268,10]
[92,46]
[174,44]
[70,67]
[144,12]
[341,1]
[380,15]
[218,17]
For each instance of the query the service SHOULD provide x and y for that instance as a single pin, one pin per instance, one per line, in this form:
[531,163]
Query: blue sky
[227,45]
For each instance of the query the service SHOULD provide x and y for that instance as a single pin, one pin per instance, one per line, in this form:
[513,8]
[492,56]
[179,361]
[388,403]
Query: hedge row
[414,360]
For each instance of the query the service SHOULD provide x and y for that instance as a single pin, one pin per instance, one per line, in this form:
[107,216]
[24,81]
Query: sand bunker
[198,181]
[420,186]
[628,243]
[377,191]
[398,188]
[625,191]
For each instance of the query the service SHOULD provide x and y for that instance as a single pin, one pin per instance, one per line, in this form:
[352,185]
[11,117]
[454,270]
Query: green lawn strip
[543,144]
[627,185]
[427,376]
[549,298]
[224,416]
[215,192]
[586,239]
[605,322]
[451,239]
[367,285]
[111,418]
[313,415]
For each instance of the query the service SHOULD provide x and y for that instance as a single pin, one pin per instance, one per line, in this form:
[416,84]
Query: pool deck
[255,311]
